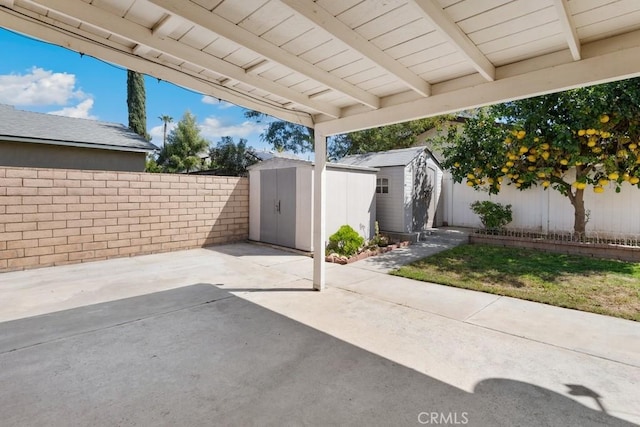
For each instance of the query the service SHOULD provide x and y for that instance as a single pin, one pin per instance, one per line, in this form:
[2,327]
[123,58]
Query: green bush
[346,241]
[492,215]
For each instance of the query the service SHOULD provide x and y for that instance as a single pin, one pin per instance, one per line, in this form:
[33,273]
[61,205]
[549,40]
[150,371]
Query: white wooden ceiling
[341,65]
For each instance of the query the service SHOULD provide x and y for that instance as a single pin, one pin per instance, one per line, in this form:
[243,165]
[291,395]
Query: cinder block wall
[57,216]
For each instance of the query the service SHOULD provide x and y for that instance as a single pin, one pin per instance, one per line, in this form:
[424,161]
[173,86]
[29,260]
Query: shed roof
[400,157]
[283,162]
[26,126]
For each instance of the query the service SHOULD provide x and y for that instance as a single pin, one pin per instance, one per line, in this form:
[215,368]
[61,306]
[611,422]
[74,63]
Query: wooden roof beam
[433,13]
[218,25]
[569,28]
[143,37]
[319,16]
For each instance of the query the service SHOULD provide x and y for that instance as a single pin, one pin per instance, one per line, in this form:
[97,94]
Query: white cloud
[39,87]
[222,105]
[80,111]
[213,128]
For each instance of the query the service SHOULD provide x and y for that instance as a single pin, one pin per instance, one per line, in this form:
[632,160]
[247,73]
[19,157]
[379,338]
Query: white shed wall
[304,209]
[351,200]
[389,207]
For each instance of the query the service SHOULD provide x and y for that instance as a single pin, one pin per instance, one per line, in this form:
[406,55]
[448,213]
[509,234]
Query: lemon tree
[581,140]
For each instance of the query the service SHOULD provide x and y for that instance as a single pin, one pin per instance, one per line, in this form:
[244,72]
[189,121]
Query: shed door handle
[278,206]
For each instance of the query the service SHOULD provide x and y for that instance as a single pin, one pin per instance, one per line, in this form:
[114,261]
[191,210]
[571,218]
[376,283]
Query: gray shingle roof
[46,128]
[401,157]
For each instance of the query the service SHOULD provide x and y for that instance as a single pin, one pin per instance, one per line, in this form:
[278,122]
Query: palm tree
[166,119]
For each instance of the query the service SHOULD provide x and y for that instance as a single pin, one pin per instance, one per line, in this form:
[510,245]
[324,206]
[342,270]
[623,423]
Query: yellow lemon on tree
[545,184]
[598,189]
[626,176]
[456,164]
[622,153]
[605,134]
[581,132]
[564,161]
[544,146]
[508,140]
[504,169]
[591,131]
[634,180]
[603,181]
[523,149]
[518,185]
[521,134]
[604,118]
[545,155]
[633,146]
[531,168]
[613,176]
[581,186]
[532,158]
[592,142]
[509,163]
[471,176]
[470,183]
[541,174]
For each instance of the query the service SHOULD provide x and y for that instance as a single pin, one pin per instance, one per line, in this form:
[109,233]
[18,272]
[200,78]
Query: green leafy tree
[230,158]
[284,136]
[136,104]
[567,141]
[184,147]
[287,136]
[400,135]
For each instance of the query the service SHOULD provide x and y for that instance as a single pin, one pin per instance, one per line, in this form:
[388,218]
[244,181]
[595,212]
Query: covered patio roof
[340,66]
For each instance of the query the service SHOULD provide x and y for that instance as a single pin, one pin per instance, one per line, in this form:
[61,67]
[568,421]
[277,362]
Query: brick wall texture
[56,216]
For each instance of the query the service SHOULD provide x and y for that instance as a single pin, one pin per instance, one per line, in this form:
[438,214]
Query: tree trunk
[579,217]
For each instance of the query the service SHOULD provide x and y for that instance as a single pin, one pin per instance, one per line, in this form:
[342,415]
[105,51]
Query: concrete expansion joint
[498,297]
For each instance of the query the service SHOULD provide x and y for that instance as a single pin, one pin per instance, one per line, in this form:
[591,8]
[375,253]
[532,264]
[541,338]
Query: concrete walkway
[232,335]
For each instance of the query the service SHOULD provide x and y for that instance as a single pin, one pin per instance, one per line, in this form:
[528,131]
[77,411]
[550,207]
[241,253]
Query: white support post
[319,209]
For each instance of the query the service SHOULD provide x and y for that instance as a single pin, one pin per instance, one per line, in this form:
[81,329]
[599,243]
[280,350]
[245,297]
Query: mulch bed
[339,259]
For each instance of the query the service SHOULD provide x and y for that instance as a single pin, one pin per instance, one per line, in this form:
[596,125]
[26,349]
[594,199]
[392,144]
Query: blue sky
[37,76]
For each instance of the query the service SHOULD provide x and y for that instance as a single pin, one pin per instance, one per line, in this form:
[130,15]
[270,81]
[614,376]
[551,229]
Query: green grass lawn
[588,284]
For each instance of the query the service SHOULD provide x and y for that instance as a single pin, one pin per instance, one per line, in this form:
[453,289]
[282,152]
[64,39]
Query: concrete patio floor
[232,335]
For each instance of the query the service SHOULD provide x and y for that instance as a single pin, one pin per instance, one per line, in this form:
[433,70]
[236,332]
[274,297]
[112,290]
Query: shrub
[492,215]
[346,241]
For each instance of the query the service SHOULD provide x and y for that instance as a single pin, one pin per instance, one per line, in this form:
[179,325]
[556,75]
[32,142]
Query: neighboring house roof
[26,126]
[380,159]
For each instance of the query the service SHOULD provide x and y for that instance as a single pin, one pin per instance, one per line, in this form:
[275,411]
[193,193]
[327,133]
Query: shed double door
[278,206]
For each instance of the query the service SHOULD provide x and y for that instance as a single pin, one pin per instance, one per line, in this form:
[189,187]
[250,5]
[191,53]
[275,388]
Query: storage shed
[281,202]
[408,188]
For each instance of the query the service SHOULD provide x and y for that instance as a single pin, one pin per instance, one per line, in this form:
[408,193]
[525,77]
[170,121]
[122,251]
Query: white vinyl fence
[610,213]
